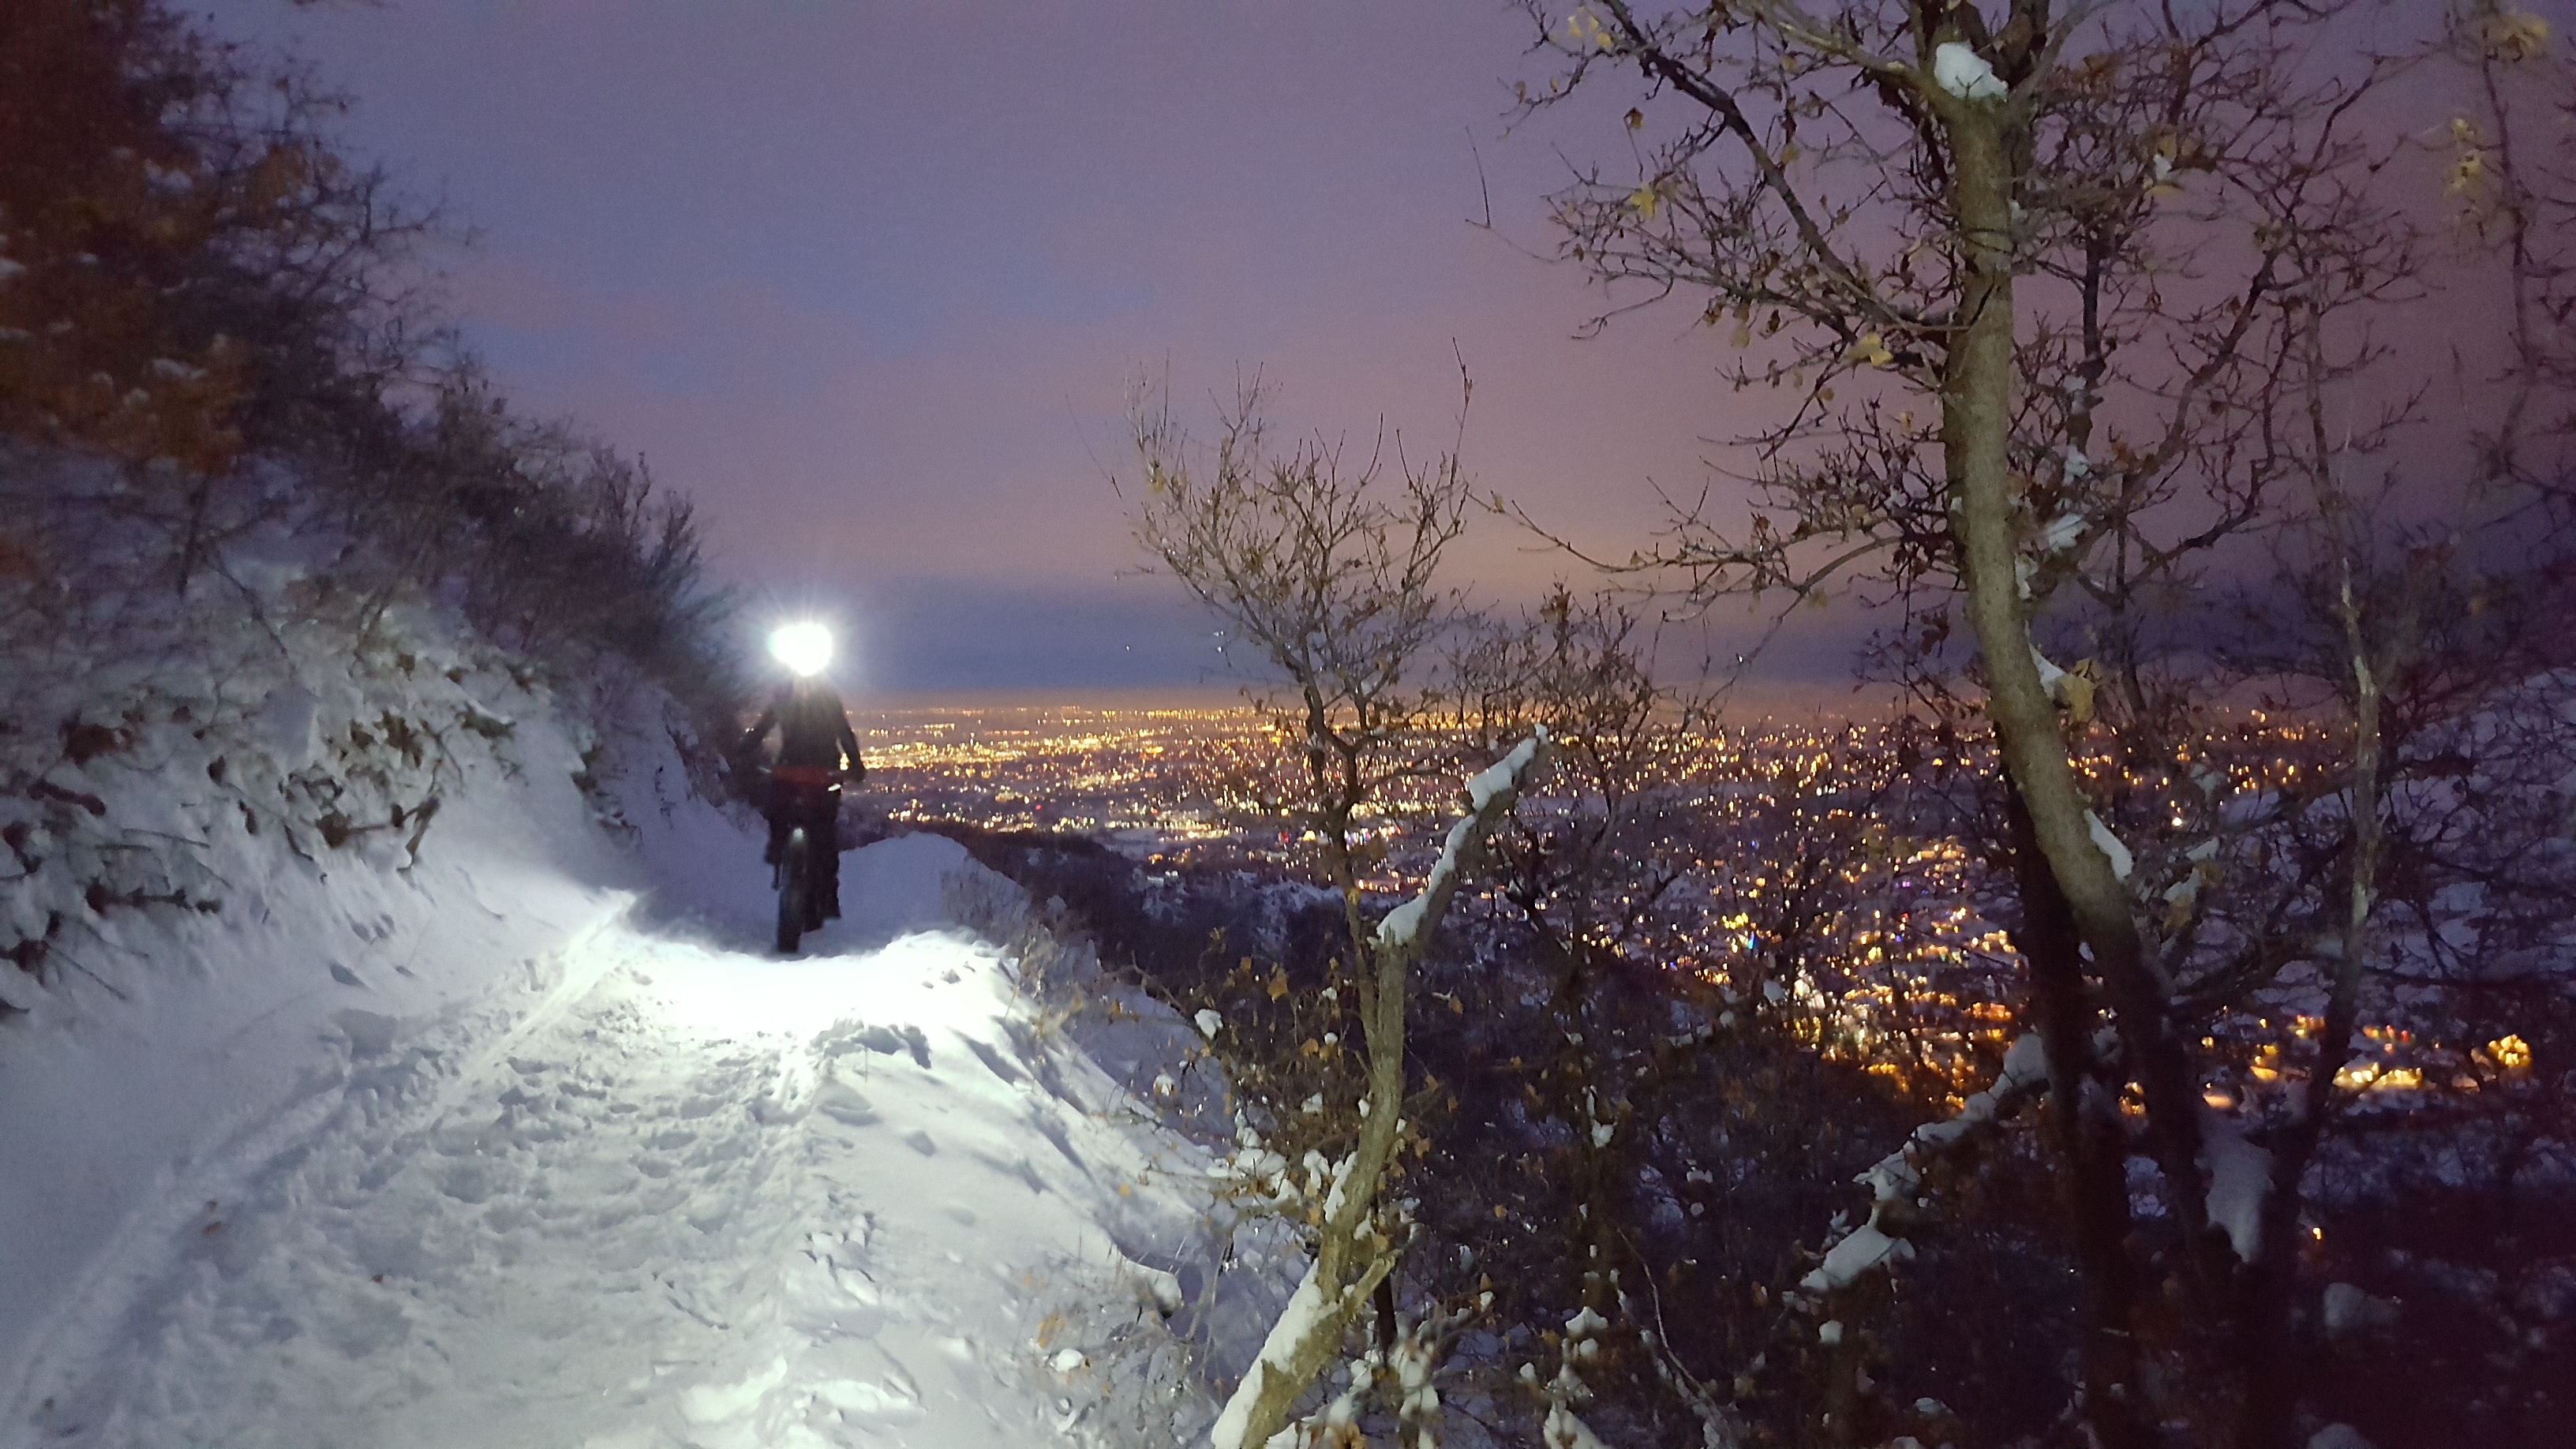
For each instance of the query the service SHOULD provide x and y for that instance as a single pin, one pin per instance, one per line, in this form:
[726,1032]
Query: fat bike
[809,799]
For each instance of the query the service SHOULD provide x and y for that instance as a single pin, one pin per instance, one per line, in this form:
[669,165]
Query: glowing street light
[804,648]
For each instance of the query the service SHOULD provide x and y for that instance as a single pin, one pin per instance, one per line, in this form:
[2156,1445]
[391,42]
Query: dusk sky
[870,282]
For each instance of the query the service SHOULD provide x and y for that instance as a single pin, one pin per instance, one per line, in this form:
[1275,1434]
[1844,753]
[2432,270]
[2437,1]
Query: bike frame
[805,798]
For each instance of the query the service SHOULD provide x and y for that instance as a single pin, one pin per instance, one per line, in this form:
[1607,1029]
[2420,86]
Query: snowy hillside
[646,1187]
[524,1138]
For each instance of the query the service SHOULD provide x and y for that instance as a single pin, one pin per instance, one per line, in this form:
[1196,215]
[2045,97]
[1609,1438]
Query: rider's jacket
[813,730]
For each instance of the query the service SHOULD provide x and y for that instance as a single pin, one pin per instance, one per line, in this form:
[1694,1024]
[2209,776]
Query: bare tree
[2060,300]
[1334,588]
[196,272]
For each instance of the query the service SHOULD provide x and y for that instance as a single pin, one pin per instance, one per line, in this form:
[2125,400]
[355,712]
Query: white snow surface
[536,1143]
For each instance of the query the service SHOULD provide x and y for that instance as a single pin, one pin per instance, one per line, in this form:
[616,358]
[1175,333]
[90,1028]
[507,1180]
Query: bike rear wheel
[794,887]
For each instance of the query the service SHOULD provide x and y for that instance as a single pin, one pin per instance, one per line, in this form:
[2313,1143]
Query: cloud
[933,636]
[870,289]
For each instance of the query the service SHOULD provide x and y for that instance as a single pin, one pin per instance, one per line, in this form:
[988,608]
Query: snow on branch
[2109,844]
[1567,1392]
[1351,1251]
[1297,1322]
[2240,1177]
[1488,794]
[1896,1180]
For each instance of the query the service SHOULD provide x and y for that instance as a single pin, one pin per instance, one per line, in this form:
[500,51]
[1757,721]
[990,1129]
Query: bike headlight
[804,648]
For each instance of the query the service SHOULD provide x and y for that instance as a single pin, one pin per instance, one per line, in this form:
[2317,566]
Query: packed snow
[536,1143]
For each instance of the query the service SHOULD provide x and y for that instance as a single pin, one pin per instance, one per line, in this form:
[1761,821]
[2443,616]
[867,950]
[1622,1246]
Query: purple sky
[869,282]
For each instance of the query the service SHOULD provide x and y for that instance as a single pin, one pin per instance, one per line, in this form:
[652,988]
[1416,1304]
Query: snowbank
[172,1040]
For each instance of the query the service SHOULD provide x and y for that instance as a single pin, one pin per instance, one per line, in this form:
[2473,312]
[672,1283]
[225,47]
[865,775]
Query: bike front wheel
[794,887]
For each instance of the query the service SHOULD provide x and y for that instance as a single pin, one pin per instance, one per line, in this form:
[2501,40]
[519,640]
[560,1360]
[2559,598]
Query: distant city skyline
[871,293]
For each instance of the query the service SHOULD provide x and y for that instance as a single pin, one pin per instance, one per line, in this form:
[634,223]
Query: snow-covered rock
[2350,1312]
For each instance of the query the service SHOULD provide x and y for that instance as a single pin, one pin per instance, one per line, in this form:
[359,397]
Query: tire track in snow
[132,1276]
[691,1198]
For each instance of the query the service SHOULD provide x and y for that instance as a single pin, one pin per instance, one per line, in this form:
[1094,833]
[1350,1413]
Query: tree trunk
[2268,1410]
[2091,1154]
[1976,427]
[1351,1256]
[192,543]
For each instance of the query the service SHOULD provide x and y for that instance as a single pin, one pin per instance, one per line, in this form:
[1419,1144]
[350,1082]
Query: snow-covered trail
[695,1196]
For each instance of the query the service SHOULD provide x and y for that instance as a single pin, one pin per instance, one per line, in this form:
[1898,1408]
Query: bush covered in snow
[159,748]
[266,539]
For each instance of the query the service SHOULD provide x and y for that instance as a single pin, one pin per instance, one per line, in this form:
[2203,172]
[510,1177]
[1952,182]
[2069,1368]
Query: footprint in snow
[994,1060]
[853,1397]
[843,1103]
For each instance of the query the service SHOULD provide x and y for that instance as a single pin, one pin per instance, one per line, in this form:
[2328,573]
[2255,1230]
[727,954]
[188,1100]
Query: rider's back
[812,728]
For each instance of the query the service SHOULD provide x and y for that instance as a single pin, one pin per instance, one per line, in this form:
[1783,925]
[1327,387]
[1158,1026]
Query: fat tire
[794,886]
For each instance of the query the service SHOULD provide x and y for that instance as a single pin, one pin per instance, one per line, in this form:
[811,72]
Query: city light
[1807,889]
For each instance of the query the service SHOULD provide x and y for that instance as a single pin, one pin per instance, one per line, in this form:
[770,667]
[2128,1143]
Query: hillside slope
[651,1187]
[387,1056]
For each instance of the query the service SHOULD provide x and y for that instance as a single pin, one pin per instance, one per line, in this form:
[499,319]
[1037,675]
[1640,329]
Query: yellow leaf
[1636,118]
[1644,201]
[2512,35]
[2076,688]
[1278,983]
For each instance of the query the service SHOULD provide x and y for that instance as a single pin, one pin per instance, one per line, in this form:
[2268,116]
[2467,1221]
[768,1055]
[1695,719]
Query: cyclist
[817,753]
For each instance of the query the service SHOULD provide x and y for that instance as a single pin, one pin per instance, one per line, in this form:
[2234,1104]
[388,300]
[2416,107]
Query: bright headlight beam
[804,648]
